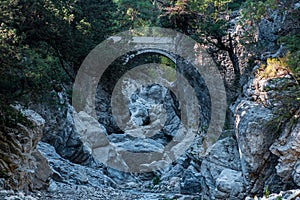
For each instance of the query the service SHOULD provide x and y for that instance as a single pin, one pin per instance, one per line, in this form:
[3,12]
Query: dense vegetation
[44,42]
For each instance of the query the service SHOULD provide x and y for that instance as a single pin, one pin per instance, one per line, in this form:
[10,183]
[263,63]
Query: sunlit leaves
[138,13]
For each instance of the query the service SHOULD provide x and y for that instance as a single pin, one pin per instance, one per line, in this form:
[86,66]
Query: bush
[275,67]
[292,43]
[156,180]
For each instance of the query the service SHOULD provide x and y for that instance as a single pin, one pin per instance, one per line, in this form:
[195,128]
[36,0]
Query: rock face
[229,185]
[153,123]
[254,137]
[287,148]
[22,165]
[74,181]
[221,163]
[257,130]
[153,114]
[137,106]
[69,173]
[60,130]
[269,29]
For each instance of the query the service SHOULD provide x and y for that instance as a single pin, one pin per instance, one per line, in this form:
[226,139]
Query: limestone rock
[74,181]
[103,105]
[60,130]
[92,133]
[22,165]
[269,28]
[254,136]
[284,195]
[256,132]
[230,185]
[287,148]
[70,173]
[222,156]
[191,181]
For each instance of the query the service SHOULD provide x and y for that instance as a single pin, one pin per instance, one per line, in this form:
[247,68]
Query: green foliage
[267,192]
[150,58]
[3,174]
[275,67]
[199,18]
[253,11]
[251,14]
[235,4]
[287,95]
[43,43]
[137,13]
[292,43]
[156,180]
[10,117]
[207,22]
[166,61]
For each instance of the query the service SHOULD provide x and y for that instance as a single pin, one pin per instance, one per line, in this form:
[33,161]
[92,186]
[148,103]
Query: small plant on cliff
[267,192]
[292,43]
[156,180]
[3,174]
[275,67]
[10,117]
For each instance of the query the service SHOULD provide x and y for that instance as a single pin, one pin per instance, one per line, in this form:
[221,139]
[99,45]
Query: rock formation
[22,165]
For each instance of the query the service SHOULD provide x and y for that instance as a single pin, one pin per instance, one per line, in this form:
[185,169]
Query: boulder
[222,158]
[230,185]
[60,130]
[70,173]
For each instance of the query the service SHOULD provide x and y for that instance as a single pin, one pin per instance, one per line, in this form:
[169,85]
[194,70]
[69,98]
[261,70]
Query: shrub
[292,43]
[156,180]
[275,67]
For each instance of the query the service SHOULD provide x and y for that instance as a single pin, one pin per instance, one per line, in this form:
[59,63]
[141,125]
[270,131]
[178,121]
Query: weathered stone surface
[287,148]
[60,130]
[296,172]
[92,133]
[254,136]
[70,173]
[191,181]
[284,195]
[22,165]
[103,104]
[255,132]
[133,144]
[74,181]
[230,185]
[42,172]
[66,192]
[269,28]
[222,156]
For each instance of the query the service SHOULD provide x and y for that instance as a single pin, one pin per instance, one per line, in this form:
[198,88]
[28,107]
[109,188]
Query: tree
[138,13]
[207,21]
[44,42]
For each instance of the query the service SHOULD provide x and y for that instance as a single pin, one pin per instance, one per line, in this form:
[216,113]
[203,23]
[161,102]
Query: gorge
[60,148]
